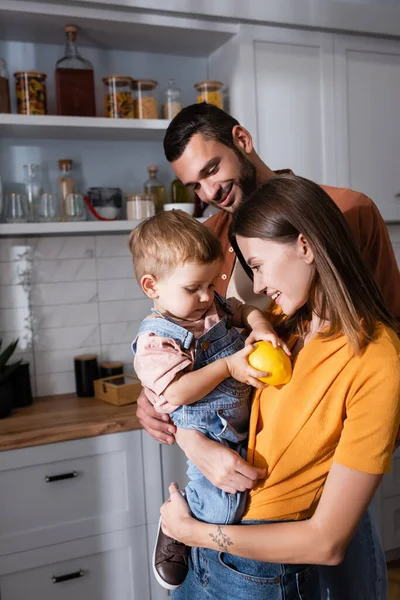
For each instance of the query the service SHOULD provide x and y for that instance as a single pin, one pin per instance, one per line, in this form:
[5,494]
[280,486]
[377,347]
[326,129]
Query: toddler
[192,361]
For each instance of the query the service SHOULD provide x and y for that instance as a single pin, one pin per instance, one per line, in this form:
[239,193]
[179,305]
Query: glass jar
[140,206]
[33,189]
[155,187]
[31,92]
[210,92]
[5,106]
[66,183]
[172,102]
[145,101]
[118,98]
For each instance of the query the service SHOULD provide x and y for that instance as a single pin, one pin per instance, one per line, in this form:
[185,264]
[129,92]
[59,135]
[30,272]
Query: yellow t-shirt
[337,407]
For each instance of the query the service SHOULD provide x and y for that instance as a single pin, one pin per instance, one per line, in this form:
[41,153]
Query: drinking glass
[16,208]
[48,209]
[74,207]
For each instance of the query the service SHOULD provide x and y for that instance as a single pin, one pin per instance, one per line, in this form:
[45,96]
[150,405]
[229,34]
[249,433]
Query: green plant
[5,369]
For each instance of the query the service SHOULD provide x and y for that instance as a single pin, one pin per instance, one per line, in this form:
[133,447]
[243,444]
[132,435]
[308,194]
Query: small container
[145,101]
[118,99]
[31,92]
[118,390]
[49,208]
[5,105]
[173,103]
[74,208]
[140,206]
[16,210]
[210,92]
[86,371]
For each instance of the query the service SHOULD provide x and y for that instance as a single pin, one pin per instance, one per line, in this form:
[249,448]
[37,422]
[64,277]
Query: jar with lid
[145,101]
[155,187]
[118,98]
[210,92]
[31,92]
[172,100]
[5,105]
[140,206]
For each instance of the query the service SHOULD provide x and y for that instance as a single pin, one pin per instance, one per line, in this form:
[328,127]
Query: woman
[326,438]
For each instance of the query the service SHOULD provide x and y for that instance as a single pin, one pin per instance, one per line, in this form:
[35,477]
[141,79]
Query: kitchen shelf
[93,128]
[68,228]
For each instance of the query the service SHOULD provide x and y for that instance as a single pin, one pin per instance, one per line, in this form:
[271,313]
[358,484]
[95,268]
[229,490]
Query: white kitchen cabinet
[367,91]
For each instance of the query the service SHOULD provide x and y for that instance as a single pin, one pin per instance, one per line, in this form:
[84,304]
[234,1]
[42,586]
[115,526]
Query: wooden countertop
[61,418]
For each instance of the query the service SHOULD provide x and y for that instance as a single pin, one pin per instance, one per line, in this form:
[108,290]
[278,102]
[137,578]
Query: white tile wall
[63,296]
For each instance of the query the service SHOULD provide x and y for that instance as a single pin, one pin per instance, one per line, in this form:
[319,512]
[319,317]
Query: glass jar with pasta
[145,101]
[210,92]
[118,100]
[31,92]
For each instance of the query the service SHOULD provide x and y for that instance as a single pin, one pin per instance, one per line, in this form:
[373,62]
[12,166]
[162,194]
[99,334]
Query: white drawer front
[56,501]
[109,567]
[391,523]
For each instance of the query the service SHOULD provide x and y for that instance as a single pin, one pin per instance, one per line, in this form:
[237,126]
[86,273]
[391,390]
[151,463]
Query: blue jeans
[362,575]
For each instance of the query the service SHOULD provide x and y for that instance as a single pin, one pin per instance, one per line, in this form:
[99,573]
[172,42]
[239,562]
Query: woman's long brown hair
[344,291]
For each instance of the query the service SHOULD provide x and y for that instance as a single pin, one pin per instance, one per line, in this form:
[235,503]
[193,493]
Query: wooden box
[118,389]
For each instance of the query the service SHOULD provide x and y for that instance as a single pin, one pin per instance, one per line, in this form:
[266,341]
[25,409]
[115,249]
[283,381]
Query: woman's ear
[304,249]
[242,139]
[149,286]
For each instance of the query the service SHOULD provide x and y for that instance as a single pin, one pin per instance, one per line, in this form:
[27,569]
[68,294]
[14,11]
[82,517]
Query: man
[212,154]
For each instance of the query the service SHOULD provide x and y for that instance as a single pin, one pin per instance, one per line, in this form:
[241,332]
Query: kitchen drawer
[73,490]
[391,481]
[391,523]
[109,567]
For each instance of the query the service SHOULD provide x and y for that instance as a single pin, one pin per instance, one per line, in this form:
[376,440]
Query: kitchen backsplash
[63,296]
[68,295]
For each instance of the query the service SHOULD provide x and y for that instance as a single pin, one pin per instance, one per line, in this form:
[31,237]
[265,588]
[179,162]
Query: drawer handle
[51,478]
[68,576]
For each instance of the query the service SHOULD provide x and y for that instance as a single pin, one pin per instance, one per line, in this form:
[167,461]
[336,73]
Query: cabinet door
[367,105]
[294,102]
[108,567]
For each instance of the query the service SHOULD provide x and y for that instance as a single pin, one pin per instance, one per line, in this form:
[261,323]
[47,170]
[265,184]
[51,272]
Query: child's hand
[265,334]
[240,369]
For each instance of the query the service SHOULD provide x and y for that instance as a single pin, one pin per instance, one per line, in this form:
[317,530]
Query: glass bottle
[173,103]
[155,187]
[179,193]
[5,106]
[74,80]
[33,189]
[66,183]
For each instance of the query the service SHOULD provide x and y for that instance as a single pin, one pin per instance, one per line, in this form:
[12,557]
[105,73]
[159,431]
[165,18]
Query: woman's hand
[266,335]
[240,369]
[219,464]
[177,522]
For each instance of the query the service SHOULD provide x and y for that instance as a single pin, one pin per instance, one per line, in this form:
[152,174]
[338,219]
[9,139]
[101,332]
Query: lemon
[271,360]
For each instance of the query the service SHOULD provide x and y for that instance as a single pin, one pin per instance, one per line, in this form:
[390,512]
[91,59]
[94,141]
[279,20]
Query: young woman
[326,438]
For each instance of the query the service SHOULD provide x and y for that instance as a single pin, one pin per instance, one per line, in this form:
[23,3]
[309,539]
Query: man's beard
[247,181]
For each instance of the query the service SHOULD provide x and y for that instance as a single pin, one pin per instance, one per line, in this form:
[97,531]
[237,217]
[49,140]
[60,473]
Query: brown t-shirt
[369,230]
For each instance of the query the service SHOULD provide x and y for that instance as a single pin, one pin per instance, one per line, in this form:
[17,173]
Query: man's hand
[219,464]
[157,425]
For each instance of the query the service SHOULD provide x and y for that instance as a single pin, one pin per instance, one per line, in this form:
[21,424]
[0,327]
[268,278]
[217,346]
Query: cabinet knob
[61,476]
[68,576]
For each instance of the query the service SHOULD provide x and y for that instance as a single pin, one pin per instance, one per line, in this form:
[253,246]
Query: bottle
[5,106]
[74,81]
[33,189]
[155,187]
[66,184]
[179,193]
[173,103]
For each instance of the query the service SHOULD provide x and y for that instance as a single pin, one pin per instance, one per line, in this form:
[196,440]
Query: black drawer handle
[51,478]
[68,577]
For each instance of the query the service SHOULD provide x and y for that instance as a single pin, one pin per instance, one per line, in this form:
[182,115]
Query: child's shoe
[170,563]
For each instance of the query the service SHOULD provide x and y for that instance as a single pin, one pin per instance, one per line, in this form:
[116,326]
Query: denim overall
[223,415]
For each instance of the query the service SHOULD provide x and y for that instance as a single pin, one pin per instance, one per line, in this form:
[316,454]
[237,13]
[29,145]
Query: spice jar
[145,101]
[31,92]
[173,103]
[118,97]
[210,92]
[5,106]
[140,206]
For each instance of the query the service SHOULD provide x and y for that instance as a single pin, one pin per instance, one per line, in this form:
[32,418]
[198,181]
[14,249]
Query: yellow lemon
[271,360]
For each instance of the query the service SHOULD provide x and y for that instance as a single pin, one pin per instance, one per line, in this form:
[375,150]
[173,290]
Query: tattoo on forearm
[221,539]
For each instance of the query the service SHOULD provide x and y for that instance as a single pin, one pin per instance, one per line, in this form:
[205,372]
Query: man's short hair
[168,240]
[207,119]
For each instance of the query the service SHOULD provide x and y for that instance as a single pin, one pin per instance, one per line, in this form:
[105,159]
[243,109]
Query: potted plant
[6,387]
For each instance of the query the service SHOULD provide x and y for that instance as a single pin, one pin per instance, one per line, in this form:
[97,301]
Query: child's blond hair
[168,240]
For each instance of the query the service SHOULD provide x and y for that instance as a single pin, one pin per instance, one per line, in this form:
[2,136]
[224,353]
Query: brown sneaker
[170,565]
